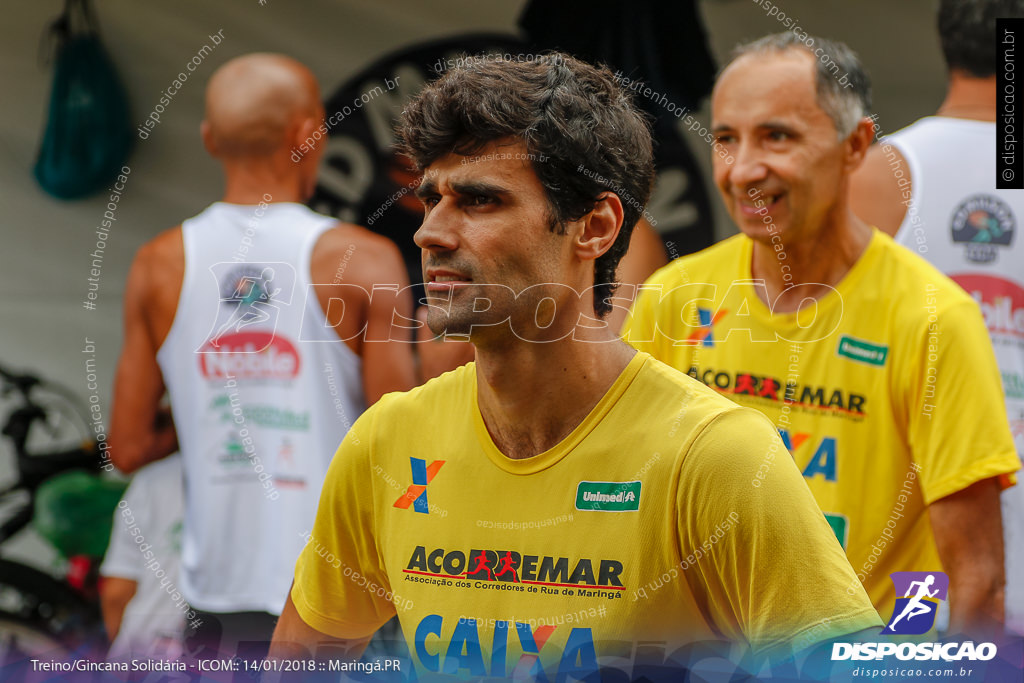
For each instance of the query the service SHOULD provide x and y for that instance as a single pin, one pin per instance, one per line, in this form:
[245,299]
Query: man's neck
[818,262]
[970,98]
[533,395]
[254,183]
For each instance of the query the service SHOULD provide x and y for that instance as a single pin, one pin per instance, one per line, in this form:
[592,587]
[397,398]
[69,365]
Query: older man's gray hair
[841,83]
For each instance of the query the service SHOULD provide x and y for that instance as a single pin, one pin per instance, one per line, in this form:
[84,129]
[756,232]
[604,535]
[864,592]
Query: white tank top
[262,393]
[971,232]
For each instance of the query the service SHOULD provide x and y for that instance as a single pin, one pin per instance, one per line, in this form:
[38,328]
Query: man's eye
[479,200]
[778,136]
[428,202]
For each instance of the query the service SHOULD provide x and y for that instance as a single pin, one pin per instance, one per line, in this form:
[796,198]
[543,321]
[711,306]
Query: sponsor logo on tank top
[226,406]
[985,224]
[251,297]
[288,475]
[249,356]
[1001,302]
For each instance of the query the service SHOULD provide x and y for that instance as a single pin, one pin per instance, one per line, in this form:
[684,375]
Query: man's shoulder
[913,285]
[167,469]
[432,400]
[159,266]
[911,130]
[662,378]
[357,254]
[157,487]
[168,243]
[349,237]
[934,130]
[708,266]
[343,236]
[674,394]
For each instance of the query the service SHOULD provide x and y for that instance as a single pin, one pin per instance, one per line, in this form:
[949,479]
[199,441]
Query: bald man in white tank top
[271,328]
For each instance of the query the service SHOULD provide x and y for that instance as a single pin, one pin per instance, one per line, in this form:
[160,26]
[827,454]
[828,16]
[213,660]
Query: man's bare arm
[875,193]
[140,431]
[295,639]
[348,262]
[115,594]
[969,535]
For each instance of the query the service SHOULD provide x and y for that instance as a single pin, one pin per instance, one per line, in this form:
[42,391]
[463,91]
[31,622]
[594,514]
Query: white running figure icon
[915,606]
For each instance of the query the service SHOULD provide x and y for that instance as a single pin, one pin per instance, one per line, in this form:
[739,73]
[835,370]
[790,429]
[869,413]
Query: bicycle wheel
[66,424]
[62,426]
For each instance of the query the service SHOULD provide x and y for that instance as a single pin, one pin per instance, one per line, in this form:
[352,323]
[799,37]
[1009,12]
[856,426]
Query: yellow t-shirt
[885,391]
[643,524]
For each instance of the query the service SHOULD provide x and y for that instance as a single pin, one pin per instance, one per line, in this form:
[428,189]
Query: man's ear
[303,130]
[858,142]
[600,227]
[206,134]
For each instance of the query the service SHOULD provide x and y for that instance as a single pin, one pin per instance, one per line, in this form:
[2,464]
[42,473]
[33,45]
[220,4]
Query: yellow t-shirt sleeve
[341,588]
[958,430]
[757,550]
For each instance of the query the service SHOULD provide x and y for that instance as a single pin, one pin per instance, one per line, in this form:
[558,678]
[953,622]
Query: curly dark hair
[571,114]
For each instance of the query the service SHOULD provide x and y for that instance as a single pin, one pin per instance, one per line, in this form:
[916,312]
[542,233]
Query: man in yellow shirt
[874,367]
[564,503]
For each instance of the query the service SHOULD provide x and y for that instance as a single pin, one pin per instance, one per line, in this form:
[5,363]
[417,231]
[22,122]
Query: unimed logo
[862,351]
[608,496]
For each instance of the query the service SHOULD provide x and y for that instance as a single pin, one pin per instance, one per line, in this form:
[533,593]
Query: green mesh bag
[74,511]
[88,131]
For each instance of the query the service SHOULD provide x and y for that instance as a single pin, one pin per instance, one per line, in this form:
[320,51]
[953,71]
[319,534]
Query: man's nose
[439,229]
[748,166]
